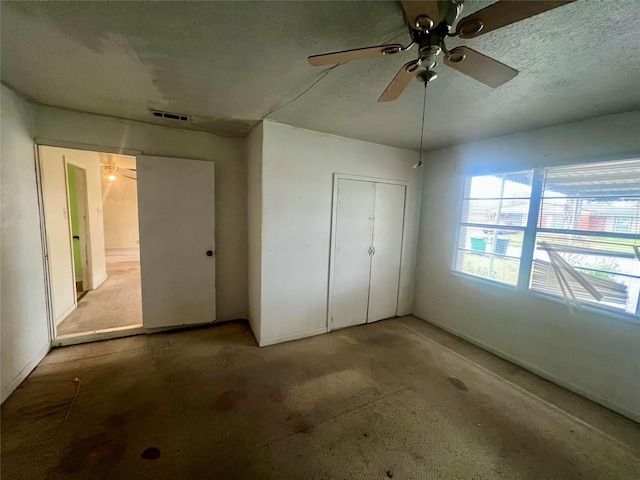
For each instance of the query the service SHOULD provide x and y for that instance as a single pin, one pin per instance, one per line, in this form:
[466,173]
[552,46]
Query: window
[571,232]
[491,231]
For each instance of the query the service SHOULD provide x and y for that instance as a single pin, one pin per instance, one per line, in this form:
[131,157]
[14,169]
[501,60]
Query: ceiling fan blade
[414,9]
[484,69]
[126,173]
[400,82]
[503,13]
[357,54]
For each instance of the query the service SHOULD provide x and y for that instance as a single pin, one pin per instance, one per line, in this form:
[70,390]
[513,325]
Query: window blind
[589,228]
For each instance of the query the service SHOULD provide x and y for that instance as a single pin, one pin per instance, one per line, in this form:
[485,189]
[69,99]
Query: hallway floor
[395,399]
[115,303]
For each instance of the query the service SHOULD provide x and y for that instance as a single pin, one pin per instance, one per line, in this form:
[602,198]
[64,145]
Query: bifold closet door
[387,249]
[352,262]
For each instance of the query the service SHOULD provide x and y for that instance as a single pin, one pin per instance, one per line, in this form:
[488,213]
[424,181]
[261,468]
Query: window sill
[486,281]
[626,317]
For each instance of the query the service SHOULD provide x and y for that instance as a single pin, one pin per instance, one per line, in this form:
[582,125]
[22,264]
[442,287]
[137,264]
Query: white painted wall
[24,338]
[297,179]
[231,193]
[595,355]
[54,158]
[120,213]
[254,225]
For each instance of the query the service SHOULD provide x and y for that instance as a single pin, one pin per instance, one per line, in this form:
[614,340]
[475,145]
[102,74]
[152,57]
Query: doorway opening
[77,186]
[92,255]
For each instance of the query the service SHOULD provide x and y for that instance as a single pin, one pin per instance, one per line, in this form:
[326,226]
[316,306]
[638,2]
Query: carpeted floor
[115,303]
[396,399]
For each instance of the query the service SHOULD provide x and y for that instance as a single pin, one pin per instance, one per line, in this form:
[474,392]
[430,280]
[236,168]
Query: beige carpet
[115,303]
[379,401]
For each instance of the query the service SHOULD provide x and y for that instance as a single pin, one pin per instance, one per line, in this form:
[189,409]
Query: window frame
[531,230]
[459,223]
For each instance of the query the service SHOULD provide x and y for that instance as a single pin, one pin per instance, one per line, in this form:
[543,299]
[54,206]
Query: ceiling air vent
[170,116]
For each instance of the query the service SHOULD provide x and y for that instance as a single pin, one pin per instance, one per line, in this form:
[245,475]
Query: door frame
[334,217]
[87,271]
[51,327]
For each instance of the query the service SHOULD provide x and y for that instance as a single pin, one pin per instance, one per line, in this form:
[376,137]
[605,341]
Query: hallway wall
[120,214]
[24,338]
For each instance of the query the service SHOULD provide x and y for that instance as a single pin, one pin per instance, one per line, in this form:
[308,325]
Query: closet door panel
[387,242]
[352,262]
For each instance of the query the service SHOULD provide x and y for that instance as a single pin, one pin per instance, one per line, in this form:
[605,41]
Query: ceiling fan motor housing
[429,49]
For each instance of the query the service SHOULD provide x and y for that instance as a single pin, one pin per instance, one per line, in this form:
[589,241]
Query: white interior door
[352,260]
[176,214]
[58,232]
[387,250]
[81,191]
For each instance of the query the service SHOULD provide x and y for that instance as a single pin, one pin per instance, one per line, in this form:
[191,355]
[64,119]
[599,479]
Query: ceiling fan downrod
[426,76]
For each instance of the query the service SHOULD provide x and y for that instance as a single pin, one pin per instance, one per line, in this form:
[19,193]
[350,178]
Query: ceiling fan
[111,172]
[430,23]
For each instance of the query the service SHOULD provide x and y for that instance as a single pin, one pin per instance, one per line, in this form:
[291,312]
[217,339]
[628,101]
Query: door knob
[209,253]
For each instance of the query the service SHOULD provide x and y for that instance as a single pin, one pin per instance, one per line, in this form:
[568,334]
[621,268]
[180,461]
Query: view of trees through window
[581,243]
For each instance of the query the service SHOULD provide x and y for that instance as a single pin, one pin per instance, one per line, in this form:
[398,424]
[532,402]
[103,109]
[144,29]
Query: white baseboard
[635,416]
[294,336]
[120,255]
[254,329]
[121,251]
[225,317]
[24,373]
[65,314]
[99,281]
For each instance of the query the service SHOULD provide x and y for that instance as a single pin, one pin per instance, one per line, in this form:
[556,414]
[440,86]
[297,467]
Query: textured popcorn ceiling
[229,64]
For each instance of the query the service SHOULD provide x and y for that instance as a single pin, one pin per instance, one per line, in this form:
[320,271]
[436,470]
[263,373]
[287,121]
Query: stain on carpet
[226,400]
[151,453]
[99,452]
[459,384]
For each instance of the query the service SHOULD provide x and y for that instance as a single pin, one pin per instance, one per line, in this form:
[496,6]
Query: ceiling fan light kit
[429,24]
[111,172]
[427,76]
